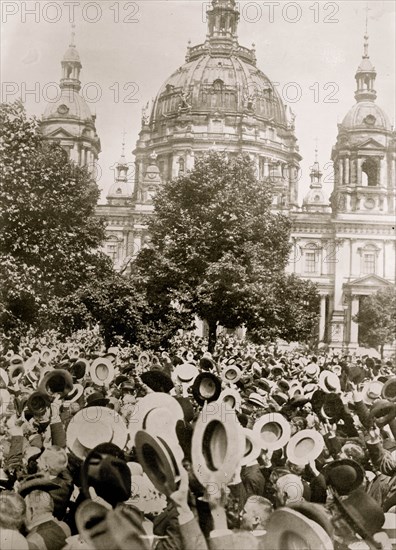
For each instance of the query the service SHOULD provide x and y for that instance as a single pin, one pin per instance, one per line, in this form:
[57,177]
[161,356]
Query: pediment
[368,281]
[369,144]
[60,133]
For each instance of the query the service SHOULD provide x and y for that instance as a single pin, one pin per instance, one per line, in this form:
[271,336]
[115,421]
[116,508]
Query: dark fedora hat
[79,368]
[344,475]
[383,412]
[157,380]
[39,481]
[56,381]
[96,399]
[333,406]
[389,389]
[37,403]
[206,363]
[362,513]
[206,387]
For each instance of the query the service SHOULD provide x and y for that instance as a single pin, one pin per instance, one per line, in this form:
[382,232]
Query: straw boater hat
[274,431]
[102,371]
[231,374]
[153,411]
[94,425]
[217,447]
[252,446]
[304,446]
[231,399]
[46,355]
[288,528]
[4,378]
[257,399]
[372,391]
[312,370]
[329,382]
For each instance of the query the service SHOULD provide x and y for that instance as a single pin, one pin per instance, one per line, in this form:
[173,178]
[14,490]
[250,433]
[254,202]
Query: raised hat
[206,387]
[4,379]
[160,459]
[231,374]
[362,513]
[37,403]
[157,380]
[75,394]
[344,475]
[288,528]
[231,398]
[274,431]
[185,373]
[46,355]
[252,446]
[372,391]
[94,425]
[96,399]
[217,446]
[166,406]
[383,412]
[207,363]
[304,446]
[312,370]
[333,407]
[329,382]
[56,381]
[102,371]
[79,368]
[389,389]
[257,399]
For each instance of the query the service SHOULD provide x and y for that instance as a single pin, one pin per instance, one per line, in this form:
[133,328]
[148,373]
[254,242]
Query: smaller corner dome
[71,55]
[366,115]
[69,104]
[120,190]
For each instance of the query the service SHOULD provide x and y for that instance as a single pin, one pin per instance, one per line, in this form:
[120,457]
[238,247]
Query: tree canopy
[218,248]
[376,319]
[50,236]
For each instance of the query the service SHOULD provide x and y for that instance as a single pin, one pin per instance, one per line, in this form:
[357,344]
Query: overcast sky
[312,49]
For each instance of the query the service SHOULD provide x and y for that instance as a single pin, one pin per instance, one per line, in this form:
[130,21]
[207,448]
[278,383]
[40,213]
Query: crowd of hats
[130,414]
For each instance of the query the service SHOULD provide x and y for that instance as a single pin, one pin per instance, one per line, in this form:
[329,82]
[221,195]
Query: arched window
[181,165]
[370,172]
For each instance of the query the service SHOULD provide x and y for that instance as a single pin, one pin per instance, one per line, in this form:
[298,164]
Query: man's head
[256,513]
[38,503]
[289,489]
[53,460]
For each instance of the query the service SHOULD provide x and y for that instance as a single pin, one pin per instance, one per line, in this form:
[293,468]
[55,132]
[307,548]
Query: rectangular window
[368,263]
[310,262]
[112,251]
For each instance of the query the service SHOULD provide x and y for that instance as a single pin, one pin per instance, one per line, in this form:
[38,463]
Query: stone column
[354,326]
[266,168]
[341,171]
[322,319]
[359,171]
[347,171]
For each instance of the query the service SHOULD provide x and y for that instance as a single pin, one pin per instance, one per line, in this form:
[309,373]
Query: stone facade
[219,99]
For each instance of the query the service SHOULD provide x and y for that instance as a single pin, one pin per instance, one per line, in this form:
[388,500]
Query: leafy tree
[376,319]
[216,245]
[49,235]
[121,310]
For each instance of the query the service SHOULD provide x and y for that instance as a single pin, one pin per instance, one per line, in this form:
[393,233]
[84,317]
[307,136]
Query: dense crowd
[250,447]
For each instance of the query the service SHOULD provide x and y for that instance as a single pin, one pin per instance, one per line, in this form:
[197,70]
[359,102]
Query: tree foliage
[218,247]
[376,319]
[49,234]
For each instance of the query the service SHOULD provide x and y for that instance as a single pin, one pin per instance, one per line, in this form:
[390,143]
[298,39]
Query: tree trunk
[382,351]
[212,335]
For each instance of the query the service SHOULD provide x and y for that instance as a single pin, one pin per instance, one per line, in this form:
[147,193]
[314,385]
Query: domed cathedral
[349,250]
[68,119]
[220,99]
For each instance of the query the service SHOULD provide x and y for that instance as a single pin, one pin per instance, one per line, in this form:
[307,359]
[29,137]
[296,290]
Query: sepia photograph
[198,275]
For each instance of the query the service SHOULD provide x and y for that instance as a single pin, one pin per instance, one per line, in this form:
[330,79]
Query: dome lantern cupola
[314,200]
[120,192]
[71,67]
[365,76]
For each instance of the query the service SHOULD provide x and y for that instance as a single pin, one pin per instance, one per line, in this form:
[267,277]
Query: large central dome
[220,99]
